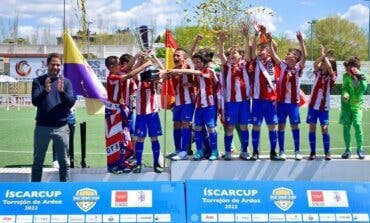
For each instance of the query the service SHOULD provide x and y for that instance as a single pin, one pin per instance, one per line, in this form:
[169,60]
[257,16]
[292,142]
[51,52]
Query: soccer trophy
[145,38]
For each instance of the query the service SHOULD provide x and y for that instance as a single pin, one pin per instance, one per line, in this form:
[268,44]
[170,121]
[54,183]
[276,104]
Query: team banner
[92,202]
[276,201]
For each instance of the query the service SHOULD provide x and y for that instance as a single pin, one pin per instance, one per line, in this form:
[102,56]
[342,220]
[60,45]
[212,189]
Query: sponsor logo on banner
[276,217]
[327,217]
[310,217]
[293,217]
[76,218]
[111,218]
[225,217]
[145,218]
[243,218]
[208,217]
[41,218]
[59,218]
[131,198]
[23,68]
[343,217]
[283,198]
[86,198]
[327,198]
[25,219]
[127,218]
[7,218]
[162,217]
[260,217]
[93,218]
[360,217]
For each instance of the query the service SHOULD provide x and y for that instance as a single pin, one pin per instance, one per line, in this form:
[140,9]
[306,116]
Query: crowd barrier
[190,201]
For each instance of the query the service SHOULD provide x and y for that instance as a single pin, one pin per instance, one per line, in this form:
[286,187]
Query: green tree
[345,37]
[215,15]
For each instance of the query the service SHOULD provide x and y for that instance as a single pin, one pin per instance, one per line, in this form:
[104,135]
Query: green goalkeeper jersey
[355,89]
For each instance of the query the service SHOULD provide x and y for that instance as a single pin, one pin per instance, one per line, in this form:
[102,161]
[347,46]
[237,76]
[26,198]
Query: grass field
[16,135]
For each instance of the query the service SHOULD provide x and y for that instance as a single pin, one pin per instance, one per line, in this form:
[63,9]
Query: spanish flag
[83,78]
[167,91]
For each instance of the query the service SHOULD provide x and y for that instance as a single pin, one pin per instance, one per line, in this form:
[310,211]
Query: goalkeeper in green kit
[353,89]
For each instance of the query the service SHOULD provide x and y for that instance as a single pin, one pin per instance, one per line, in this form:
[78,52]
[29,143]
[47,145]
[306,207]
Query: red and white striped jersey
[320,94]
[206,88]
[289,83]
[184,85]
[265,76]
[146,98]
[114,90]
[235,82]
[128,90]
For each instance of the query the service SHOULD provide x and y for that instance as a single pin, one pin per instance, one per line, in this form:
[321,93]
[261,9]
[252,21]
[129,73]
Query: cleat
[180,156]
[158,168]
[361,154]
[244,156]
[169,156]
[227,156]
[137,169]
[273,155]
[297,156]
[255,156]
[198,156]
[214,156]
[346,155]
[312,156]
[282,156]
[327,156]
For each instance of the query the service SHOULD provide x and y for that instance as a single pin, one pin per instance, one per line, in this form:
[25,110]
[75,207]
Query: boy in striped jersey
[205,112]
[117,137]
[236,90]
[325,70]
[289,93]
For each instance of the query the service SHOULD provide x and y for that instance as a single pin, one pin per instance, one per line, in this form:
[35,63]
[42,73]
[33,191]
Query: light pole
[88,38]
[312,22]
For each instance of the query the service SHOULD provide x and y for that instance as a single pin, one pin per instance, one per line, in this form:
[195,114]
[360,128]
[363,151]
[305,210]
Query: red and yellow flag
[167,91]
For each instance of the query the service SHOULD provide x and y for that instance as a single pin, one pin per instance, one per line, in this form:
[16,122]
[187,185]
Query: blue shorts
[237,113]
[285,110]
[263,109]
[148,123]
[313,115]
[183,113]
[206,116]
[131,122]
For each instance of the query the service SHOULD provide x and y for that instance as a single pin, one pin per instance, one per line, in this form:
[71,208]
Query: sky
[289,16]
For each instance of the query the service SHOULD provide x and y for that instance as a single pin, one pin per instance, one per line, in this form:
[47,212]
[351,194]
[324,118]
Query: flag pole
[64,16]
[165,115]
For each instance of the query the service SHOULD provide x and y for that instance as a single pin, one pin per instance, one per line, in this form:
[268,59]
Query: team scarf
[117,136]
[269,73]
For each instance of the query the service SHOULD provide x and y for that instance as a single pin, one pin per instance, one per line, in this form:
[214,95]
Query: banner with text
[267,201]
[92,202]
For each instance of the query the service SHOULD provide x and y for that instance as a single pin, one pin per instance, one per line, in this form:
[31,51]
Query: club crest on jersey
[283,198]
[86,198]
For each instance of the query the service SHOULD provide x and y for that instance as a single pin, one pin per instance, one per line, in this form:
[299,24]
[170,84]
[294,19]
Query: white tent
[7,79]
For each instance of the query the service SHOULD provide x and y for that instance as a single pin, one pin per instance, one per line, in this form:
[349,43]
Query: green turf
[16,134]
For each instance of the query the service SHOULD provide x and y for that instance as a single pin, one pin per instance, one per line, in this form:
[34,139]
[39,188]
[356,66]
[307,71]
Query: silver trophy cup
[145,38]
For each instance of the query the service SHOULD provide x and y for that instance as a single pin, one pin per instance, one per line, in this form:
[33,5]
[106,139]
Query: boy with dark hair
[205,112]
[353,89]
[117,134]
[289,93]
[236,89]
[325,70]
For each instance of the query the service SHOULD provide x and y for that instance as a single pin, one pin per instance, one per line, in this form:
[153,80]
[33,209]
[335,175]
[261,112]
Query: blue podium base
[352,170]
